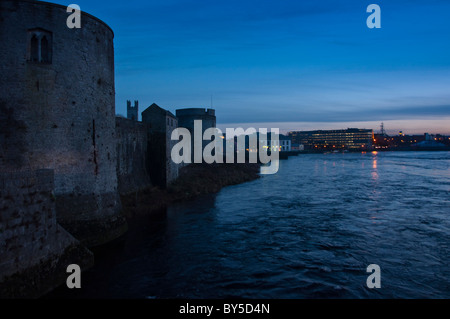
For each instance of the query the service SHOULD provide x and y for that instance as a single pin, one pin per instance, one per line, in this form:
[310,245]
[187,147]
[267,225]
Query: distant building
[428,144]
[352,139]
[431,142]
[285,143]
[132,111]
[297,147]
[282,145]
[186,118]
[160,124]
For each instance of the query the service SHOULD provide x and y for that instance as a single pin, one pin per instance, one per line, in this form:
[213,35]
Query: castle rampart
[132,155]
[35,250]
[58,93]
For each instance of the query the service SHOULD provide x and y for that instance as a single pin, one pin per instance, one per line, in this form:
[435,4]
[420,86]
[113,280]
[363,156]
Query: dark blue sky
[288,64]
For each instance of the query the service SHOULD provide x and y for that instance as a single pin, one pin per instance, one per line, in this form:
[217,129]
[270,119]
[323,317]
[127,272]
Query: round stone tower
[57,107]
[187,116]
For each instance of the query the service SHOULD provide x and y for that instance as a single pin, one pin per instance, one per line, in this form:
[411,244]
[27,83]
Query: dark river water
[309,231]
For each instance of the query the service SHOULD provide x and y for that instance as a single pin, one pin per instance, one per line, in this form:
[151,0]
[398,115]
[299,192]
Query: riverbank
[193,180]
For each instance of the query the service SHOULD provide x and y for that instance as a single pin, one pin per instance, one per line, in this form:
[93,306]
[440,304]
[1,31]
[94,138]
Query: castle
[132,111]
[65,157]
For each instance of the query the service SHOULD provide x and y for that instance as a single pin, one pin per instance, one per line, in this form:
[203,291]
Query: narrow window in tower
[39,46]
[34,49]
[45,54]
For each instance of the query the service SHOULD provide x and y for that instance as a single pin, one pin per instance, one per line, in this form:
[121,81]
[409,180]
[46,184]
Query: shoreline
[194,180]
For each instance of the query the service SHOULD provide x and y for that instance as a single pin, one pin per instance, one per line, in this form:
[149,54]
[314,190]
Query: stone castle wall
[132,155]
[61,113]
[35,250]
[172,169]
[161,167]
[64,156]
[160,124]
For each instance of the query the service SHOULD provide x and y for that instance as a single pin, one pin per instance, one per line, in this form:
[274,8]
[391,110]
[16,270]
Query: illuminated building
[351,139]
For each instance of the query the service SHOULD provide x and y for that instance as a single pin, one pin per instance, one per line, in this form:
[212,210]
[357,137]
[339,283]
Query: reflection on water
[308,231]
[374,166]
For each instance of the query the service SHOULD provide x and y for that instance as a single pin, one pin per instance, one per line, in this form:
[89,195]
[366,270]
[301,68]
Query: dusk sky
[295,65]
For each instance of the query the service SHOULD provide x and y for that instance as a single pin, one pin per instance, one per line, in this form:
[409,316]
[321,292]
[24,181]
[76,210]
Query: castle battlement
[132,111]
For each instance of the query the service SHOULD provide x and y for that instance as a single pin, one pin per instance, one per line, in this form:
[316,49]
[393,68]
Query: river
[309,231]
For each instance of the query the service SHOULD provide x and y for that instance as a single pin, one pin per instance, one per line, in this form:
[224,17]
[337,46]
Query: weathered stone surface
[160,123]
[132,156]
[60,114]
[34,249]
